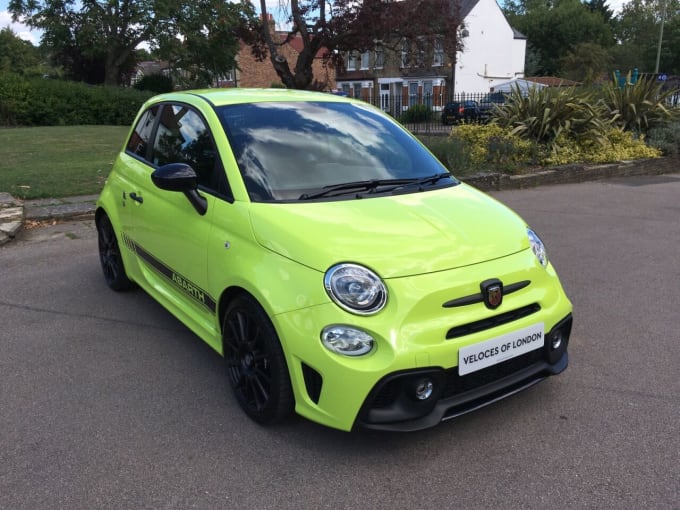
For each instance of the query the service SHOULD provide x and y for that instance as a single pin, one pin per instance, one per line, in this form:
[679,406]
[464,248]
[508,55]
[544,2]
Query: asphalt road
[106,401]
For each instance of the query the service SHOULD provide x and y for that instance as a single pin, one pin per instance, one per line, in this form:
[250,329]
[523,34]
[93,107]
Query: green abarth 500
[336,265]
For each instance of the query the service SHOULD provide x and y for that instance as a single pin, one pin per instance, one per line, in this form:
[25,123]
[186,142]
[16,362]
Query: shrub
[417,113]
[638,107]
[46,102]
[472,148]
[666,138]
[551,115]
[617,146]
[491,146]
[13,94]
[452,152]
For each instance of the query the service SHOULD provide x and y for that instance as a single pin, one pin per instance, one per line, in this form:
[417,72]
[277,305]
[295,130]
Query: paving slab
[11,227]
[63,211]
[7,200]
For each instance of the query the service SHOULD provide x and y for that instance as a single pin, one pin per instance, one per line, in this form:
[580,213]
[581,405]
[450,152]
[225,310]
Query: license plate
[491,352]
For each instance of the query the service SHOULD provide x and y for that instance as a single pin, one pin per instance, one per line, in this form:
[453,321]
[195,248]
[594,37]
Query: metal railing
[419,113]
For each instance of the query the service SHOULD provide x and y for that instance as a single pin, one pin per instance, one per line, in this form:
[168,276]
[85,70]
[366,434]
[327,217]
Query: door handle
[136,197]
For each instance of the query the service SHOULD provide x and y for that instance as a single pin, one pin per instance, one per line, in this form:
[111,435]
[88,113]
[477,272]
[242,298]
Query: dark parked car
[457,111]
[486,106]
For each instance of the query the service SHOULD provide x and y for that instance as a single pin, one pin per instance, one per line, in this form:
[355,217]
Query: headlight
[347,340]
[538,247]
[355,288]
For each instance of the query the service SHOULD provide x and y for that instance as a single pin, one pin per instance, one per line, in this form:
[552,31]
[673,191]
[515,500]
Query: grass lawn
[59,161]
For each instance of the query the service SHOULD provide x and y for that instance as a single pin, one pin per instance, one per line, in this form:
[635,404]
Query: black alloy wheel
[110,257]
[255,363]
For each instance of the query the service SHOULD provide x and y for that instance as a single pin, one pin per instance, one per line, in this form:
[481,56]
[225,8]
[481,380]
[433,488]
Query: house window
[364,60]
[427,93]
[379,57]
[412,93]
[351,61]
[356,90]
[438,59]
[405,51]
[420,57]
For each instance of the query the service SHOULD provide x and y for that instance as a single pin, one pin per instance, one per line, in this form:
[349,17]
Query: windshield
[326,150]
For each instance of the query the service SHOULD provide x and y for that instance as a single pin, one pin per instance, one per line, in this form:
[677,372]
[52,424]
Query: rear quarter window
[140,138]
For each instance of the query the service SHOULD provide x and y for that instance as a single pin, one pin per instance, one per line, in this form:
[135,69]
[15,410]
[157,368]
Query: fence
[419,113]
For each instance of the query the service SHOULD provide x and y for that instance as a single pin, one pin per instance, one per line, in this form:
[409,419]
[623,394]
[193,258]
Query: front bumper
[429,318]
[391,405]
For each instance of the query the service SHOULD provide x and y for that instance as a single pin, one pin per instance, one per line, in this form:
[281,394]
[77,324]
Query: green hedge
[417,113]
[48,102]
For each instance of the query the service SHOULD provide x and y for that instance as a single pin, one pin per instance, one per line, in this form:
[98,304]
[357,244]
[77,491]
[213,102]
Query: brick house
[396,76]
[252,73]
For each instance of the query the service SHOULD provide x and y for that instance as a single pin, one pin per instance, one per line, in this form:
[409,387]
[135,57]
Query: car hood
[396,236]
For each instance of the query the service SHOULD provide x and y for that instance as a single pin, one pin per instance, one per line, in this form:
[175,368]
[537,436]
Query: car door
[170,234]
[131,167]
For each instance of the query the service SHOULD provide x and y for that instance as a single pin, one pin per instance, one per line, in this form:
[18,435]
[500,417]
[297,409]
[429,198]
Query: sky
[21,30]
[34,37]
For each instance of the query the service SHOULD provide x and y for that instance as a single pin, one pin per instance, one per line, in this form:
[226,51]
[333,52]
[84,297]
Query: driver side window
[183,137]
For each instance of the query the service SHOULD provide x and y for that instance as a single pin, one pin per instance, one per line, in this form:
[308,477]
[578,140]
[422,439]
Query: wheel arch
[227,296]
[98,214]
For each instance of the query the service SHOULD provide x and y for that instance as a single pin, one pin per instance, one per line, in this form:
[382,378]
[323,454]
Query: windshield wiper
[356,186]
[432,179]
[372,185]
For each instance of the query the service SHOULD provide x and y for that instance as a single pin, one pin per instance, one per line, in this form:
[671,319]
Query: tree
[637,31]
[330,28]
[586,63]
[601,7]
[16,55]
[555,28]
[96,39]
[210,33]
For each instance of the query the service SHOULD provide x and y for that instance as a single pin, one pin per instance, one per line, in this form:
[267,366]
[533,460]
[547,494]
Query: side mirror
[180,177]
[175,177]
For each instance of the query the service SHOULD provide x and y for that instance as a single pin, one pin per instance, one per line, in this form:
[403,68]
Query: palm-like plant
[638,106]
[548,115]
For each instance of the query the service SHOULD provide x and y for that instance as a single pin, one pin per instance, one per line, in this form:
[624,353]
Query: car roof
[227,96]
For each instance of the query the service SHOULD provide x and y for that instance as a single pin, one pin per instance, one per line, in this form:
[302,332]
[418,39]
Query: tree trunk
[115,58]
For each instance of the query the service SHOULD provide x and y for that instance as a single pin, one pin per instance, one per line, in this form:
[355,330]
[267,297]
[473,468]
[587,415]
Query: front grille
[387,395]
[492,322]
[456,384]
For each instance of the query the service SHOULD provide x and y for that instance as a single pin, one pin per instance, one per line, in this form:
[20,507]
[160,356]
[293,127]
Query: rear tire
[254,361]
[110,257]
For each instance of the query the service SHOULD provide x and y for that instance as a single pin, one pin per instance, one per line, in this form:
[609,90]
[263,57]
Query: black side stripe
[179,281]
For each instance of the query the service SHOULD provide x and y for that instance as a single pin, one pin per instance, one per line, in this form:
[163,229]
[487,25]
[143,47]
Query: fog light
[424,389]
[346,340]
[556,341]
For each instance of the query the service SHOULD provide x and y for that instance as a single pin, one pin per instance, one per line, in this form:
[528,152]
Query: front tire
[255,364]
[110,257]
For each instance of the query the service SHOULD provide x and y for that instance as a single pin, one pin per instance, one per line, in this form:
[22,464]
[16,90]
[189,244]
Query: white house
[493,52]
